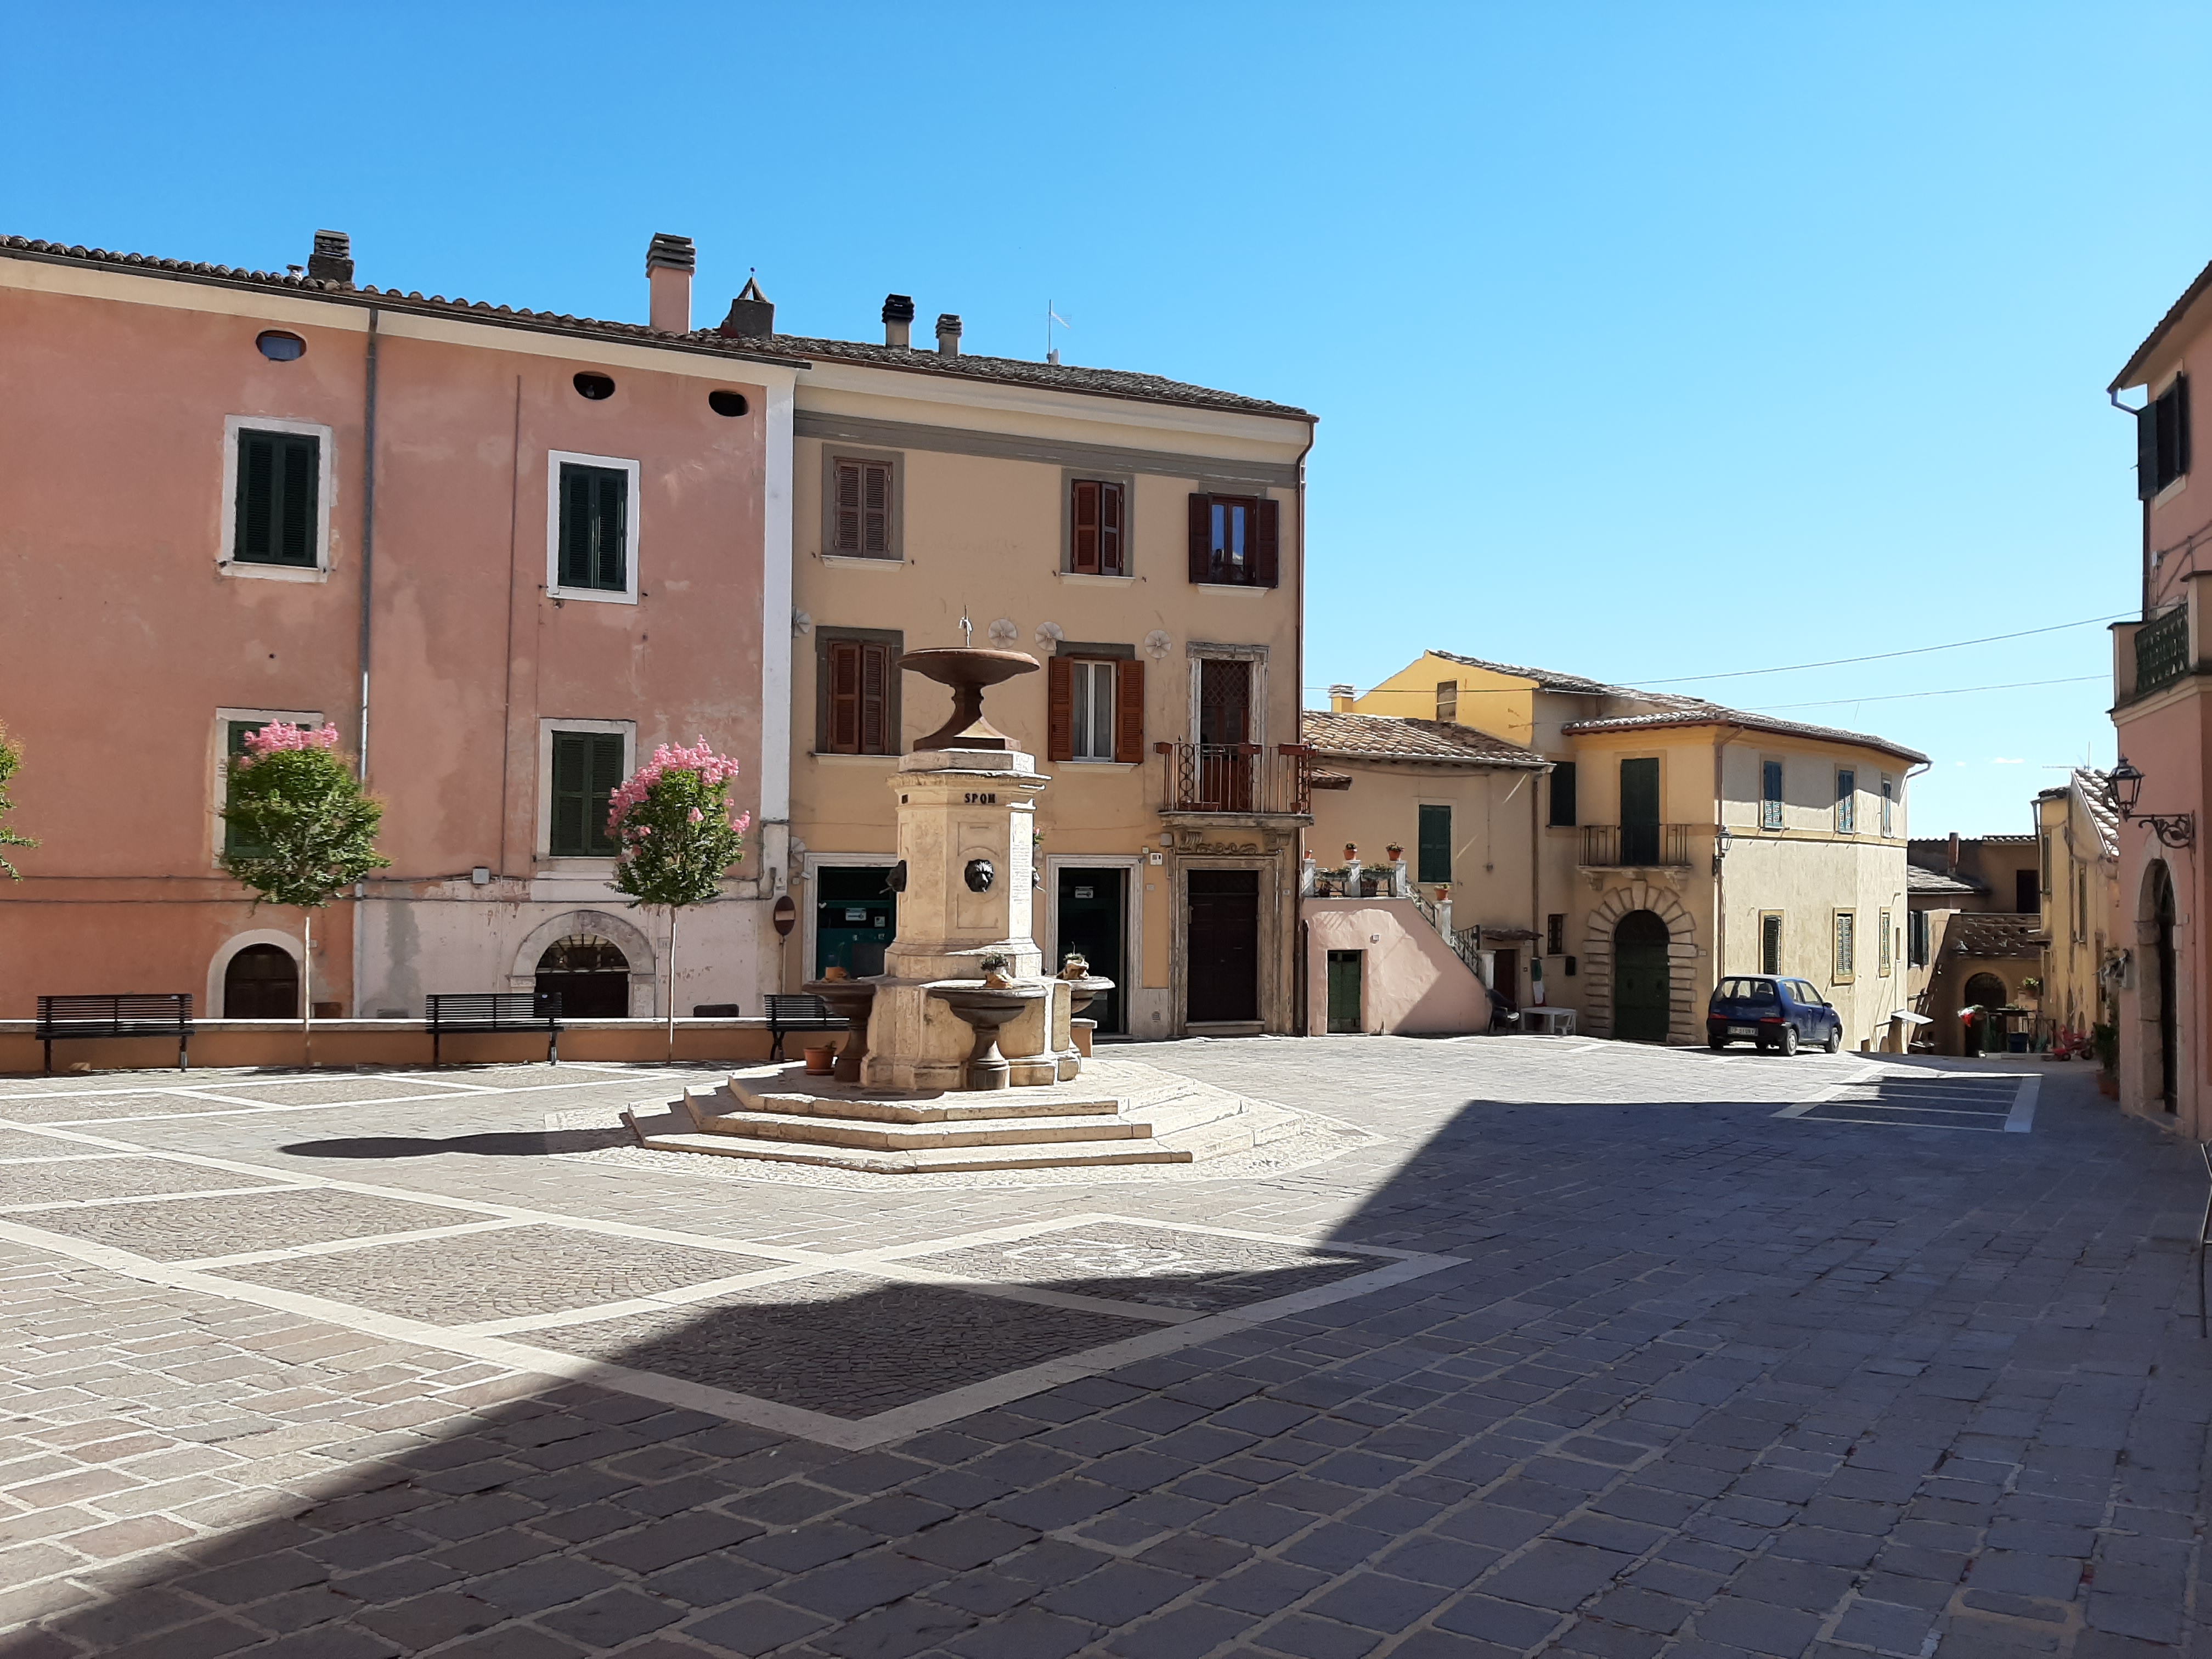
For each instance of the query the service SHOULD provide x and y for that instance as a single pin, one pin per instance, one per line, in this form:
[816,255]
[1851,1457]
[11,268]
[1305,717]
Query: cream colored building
[1678,841]
[1142,538]
[2077,829]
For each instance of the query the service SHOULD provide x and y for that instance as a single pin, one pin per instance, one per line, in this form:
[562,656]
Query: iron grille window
[1555,935]
[1847,803]
[2162,649]
[1882,951]
[1770,943]
[1769,795]
[1846,946]
[279,475]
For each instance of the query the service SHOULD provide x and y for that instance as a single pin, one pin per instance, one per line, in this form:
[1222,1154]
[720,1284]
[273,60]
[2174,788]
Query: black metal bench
[147,1013]
[475,1011]
[799,1011]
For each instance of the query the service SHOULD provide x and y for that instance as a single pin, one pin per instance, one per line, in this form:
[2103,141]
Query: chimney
[669,262]
[898,319]
[1339,699]
[332,259]
[1954,852]
[752,314]
[948,334]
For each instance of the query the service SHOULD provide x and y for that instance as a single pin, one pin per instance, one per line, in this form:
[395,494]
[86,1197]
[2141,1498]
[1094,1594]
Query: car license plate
[1743,1030]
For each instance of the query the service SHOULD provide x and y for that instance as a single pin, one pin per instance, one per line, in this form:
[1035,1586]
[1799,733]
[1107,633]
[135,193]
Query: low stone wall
[403,1042]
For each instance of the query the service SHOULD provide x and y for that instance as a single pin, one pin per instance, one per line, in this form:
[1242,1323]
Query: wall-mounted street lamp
[1723,841]
[2174,829]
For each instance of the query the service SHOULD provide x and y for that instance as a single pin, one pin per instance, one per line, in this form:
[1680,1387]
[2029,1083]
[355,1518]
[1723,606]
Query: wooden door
[1221,980]
[1639,811]
[1642,983]
[1344,990]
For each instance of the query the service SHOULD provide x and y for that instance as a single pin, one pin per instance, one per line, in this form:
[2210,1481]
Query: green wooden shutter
[575,528]
[572,794]
[296,526]
[279,475]
[594,528]
[611,525]
[1434,863]
[606,777]
[1564,815]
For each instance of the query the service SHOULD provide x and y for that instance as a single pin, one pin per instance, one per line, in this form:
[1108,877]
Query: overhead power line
[1903,696]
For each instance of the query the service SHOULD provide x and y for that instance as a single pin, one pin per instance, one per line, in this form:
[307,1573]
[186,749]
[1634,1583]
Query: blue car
[1772,1012]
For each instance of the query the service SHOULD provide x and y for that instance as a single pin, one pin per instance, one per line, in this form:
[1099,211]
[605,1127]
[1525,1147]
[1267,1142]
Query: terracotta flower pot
[1396,853]
[819,1060]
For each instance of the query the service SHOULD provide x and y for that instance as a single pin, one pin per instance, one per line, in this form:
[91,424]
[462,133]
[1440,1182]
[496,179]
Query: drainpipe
[1299,1021]
[367,565]
[1720,859]
[2112,395]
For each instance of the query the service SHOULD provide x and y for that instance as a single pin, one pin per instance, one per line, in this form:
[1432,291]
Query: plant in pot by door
[821,1062]
[1395,851]
[994,971]
[1074,965]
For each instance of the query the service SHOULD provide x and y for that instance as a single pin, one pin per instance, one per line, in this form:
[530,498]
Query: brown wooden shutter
[844,733]
[1266,521]
[1110,530]
[845,535]
[1129,710]
[1202,537]
[1083,555]
[876,509]
[1059,709]
[875,699]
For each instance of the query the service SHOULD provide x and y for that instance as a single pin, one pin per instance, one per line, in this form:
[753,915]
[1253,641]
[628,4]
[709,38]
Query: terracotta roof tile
[1713,713]
[1993,933]
[1920,880]
[790,349]
[2103,810]
[1387,736]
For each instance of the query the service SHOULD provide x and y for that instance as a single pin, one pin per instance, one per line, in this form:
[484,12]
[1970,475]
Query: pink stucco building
[2161,681]
[506,553]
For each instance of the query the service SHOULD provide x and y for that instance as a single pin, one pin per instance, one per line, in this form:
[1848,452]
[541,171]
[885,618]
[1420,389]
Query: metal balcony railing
[2162,650]
[1237,778]
[1615,846]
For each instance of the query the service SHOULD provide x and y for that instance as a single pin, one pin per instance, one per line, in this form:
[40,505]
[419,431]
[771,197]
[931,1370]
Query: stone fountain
[962,1011]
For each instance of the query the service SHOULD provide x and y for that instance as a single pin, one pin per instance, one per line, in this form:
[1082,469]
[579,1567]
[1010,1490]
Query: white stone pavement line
[1821,1096]
[2022,1119]
[848,1434]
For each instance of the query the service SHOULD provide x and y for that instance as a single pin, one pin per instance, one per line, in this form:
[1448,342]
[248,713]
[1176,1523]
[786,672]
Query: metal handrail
[1237,777]
[1618,846]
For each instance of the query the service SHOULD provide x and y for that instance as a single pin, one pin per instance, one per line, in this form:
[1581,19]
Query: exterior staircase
[1150,1116]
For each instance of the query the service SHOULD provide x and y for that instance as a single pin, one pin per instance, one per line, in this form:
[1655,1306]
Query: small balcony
[1639,846]
[1236,780]
[2161,650]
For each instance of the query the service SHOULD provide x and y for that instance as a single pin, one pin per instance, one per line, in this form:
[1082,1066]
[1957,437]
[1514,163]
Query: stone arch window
[589,973]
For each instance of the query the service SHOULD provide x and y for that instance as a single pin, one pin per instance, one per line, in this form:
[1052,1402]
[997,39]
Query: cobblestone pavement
[1579,1349]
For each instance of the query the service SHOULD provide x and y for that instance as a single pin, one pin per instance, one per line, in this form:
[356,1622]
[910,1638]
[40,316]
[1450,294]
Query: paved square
[1575,1348]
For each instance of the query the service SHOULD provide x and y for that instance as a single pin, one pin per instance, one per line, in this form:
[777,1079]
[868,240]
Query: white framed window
[591,527]
[1770,794]
[276,486]
[1847,947]
[1847,801]
[581,764]
[1090,707]
[231,725]
[1886,947]
[1889,804]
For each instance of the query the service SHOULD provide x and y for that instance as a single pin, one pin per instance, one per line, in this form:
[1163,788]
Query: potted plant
[1350,851]
[1395,851]
[1075,965]
[820,1061]
[994,971]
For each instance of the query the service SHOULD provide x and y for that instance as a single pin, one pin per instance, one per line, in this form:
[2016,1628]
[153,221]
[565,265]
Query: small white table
[1549,1022]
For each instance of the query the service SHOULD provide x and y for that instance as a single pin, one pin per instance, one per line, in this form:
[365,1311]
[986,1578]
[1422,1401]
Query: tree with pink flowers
[304,830]
[676,836]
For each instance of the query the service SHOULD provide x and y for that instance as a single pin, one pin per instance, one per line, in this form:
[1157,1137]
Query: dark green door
[1639,811]
[1642,983]
[1092,909]
[1343,973]
[1434,863]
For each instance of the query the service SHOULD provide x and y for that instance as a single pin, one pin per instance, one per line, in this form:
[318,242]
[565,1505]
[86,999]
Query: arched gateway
[1643,978]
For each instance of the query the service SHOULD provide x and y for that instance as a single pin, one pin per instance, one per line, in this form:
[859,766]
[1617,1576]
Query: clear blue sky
[1647,340]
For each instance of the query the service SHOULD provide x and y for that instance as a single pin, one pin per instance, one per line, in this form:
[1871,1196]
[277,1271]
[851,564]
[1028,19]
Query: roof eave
[2133,373]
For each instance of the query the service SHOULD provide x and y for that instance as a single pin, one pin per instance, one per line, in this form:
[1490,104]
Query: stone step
[944,1160]
[739,1096]
[1033,1131]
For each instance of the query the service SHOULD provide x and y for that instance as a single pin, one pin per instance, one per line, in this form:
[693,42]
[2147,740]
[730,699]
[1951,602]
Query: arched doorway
[1643,980]
[262,981]
[1988,992]
[2161,964]
[590,974]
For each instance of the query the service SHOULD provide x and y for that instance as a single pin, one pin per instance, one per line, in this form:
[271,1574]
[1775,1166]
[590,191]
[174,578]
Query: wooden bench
[473,1012]
[150,1013]
[799,1011]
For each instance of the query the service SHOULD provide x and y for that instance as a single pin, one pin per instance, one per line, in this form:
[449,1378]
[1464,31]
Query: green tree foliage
[306,831]
[673,822]
[11,761]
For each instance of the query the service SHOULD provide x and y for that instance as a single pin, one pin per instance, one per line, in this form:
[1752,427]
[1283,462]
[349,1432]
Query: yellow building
[2077,829]
[1144,539]
[1680,840]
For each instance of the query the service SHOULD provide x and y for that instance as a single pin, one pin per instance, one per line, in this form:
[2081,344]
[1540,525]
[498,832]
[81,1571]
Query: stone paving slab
[1161,1266]
[510,1273]
[1704,1382]
[210,1227]
[90,1179]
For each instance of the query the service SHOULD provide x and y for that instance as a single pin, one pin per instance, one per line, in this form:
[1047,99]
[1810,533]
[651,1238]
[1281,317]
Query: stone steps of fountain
[739,1095]
[949,1160]
[1031,1131]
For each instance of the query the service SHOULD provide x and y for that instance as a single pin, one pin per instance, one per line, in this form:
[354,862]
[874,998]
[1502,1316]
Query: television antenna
[1052,317]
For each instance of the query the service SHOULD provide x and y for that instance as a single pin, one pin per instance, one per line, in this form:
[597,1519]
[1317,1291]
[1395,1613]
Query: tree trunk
[674,911]
[308,983]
